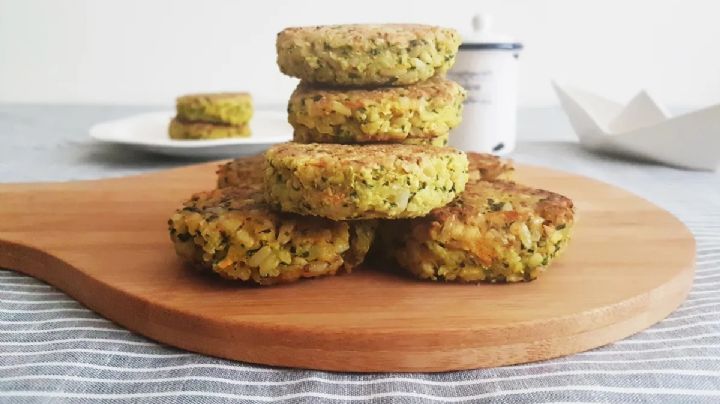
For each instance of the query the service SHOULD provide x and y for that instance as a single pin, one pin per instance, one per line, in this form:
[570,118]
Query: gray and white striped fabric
[52,349]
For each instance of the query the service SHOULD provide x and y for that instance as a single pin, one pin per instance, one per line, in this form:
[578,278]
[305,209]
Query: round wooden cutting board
[105,243]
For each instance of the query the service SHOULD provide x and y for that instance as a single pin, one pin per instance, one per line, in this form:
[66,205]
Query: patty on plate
[183,130]
[224,108]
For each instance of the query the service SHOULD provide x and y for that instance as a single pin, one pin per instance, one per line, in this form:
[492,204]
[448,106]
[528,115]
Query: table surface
[52,349]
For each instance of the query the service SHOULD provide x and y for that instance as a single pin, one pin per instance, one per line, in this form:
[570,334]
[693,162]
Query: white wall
[147,52]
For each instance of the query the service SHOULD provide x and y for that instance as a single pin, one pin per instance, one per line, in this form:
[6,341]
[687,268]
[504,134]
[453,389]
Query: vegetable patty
[182,130]
[222,108]
[241,171]
[366,55]
[494,232]
[421,113]
[343,182]
[232,232]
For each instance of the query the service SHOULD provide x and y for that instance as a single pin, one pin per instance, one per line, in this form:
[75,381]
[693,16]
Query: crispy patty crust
[223,108]
[421,113]
[344,182]
[182,130]
[494,232]
[366,55]
[232,232]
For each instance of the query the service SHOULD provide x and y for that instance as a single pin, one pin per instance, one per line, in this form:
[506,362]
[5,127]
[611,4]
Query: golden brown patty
[421,113]
[242,171]
[182,130]
[366,55]
[483,166]
[343,182]
[494,232]
[223,108]
[232,232]
[250,169]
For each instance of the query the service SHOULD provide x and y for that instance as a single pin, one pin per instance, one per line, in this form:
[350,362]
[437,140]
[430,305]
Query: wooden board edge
[29,261]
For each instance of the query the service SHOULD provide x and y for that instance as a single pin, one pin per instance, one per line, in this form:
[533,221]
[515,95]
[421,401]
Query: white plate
[149,132]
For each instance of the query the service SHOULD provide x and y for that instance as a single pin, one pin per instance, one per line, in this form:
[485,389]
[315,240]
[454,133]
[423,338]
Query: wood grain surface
[105,243]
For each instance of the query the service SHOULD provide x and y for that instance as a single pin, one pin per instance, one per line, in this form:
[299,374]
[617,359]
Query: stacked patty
[344,182]
[212,116]
[421,113]
[371,105]
[371,118]
[243,170]
[496,231]
[371,83]
[234,233]
[366,55]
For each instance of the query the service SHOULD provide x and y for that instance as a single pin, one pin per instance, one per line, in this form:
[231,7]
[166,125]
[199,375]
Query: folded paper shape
[644,130]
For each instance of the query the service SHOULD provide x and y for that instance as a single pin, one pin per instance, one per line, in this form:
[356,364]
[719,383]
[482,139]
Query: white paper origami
[644,130]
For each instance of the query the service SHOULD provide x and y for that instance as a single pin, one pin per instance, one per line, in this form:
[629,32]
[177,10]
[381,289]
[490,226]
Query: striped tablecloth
[52,349]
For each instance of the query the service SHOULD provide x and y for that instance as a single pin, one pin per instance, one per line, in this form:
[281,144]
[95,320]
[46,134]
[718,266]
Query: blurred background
[147,52]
